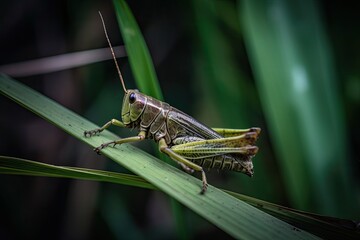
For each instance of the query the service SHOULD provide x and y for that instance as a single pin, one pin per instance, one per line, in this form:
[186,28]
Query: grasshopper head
[134,102]
[133,105]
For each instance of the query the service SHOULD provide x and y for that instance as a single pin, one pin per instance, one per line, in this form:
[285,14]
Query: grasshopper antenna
[113,54]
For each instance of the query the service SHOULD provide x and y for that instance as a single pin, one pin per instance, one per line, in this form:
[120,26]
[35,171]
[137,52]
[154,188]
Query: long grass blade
[323,226]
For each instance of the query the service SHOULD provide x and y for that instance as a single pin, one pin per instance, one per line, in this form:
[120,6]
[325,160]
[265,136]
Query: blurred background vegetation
[289,67]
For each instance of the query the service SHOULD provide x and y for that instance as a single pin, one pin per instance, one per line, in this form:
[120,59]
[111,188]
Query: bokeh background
[289,67]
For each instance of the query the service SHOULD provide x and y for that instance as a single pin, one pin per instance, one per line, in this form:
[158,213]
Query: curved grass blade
[323,226]
[235,217]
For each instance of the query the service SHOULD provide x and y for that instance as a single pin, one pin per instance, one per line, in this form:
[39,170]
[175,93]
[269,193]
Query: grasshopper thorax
[133,105]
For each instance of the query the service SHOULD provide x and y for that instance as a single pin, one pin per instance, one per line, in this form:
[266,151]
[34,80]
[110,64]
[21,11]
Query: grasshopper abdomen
[225,162]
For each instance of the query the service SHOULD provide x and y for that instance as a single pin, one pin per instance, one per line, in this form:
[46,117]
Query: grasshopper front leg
[106,125]
[163,147]
[139,137]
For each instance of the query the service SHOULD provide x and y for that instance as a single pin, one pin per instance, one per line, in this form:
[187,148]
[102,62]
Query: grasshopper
[185,140]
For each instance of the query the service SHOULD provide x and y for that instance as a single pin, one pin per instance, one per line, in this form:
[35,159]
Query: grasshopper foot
[102,146]
[92,132]
[98,149]
[204,188]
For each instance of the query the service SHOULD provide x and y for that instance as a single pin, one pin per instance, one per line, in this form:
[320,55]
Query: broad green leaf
[235,217]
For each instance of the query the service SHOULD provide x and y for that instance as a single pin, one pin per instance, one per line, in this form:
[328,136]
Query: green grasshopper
[188,142]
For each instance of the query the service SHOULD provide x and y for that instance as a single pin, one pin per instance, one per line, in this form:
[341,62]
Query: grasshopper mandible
[185,140]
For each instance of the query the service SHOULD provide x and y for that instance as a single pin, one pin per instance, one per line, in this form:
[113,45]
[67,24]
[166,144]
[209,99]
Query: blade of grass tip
[233,216]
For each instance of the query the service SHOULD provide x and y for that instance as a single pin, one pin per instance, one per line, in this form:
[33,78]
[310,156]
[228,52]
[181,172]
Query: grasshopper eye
[132,98]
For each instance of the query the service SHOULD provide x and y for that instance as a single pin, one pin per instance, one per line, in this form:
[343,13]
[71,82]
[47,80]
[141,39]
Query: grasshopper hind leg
[186,164]
[186,168]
